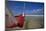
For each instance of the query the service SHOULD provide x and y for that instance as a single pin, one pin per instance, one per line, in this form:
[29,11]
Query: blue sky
[31,8]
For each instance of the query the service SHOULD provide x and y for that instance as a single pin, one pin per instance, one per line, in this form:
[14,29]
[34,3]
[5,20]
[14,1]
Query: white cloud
[37,11]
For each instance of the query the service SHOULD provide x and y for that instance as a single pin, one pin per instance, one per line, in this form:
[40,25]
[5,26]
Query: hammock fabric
[19,24]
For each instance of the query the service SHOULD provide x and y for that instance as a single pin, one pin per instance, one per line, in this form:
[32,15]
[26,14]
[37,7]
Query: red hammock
[19,24]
